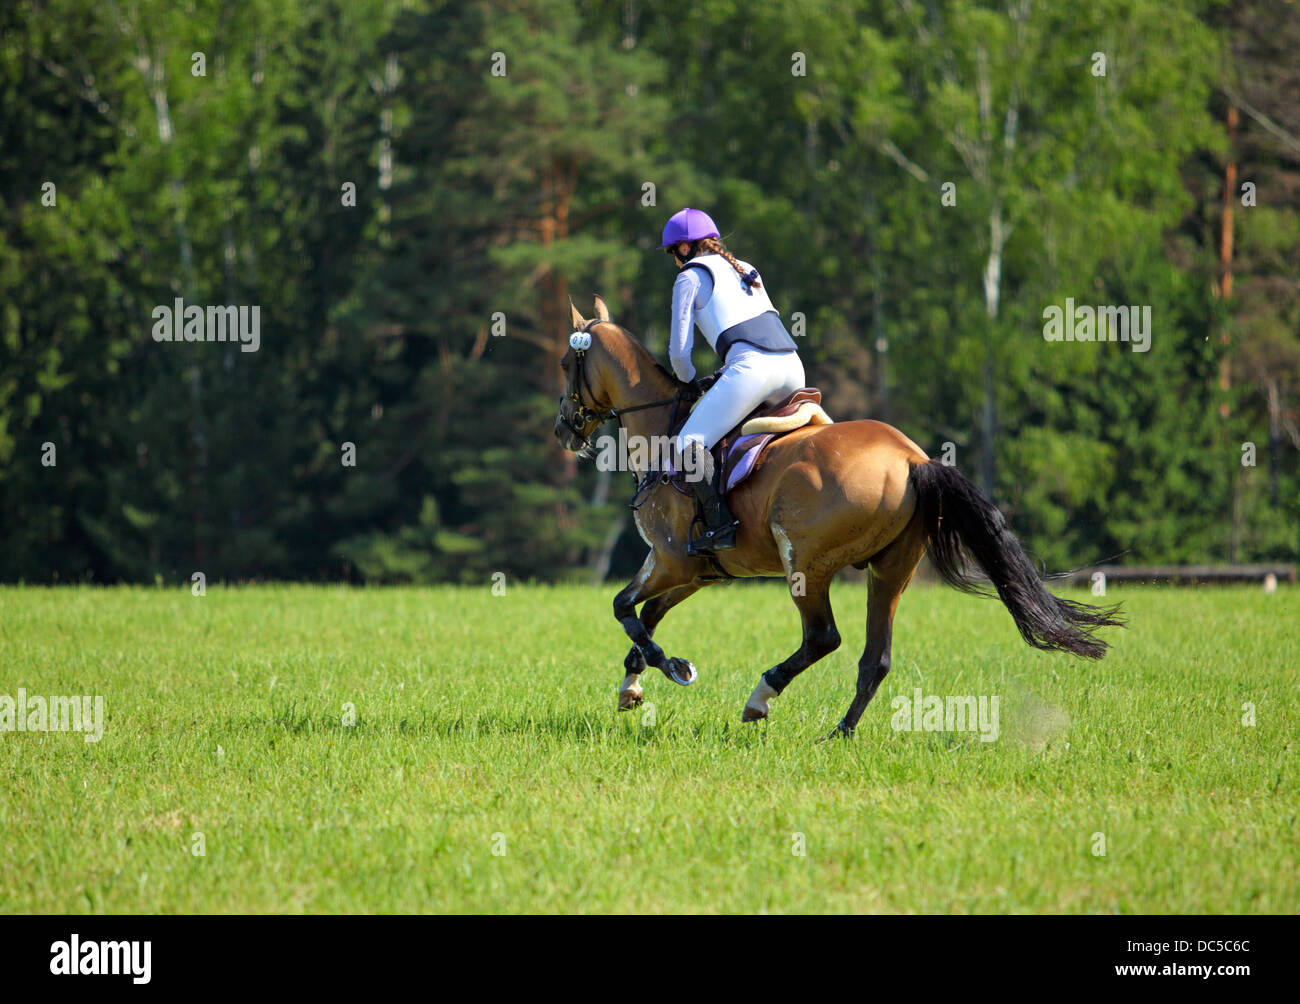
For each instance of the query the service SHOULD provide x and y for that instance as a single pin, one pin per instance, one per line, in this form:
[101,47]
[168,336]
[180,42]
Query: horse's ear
[602,311]
[578,321]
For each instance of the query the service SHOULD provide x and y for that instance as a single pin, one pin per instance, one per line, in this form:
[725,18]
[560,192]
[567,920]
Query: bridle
[580,342]
[582,416]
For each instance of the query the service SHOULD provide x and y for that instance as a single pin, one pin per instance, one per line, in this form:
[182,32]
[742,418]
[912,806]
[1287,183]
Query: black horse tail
[964,526]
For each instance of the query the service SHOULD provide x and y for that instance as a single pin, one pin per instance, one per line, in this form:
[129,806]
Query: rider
[725,298]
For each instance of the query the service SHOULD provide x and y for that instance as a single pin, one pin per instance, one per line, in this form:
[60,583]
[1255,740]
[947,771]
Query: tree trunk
[1225,260]
[992,302]
[604,554]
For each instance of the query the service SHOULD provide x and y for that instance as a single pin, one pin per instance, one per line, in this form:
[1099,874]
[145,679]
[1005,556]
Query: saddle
[736,454]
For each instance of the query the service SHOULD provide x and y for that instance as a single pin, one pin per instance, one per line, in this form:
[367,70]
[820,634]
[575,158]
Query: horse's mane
[645,352]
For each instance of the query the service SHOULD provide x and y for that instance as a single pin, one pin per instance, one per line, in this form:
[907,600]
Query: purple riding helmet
[689,225]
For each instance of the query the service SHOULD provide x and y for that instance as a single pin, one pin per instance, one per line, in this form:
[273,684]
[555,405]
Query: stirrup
[721,538]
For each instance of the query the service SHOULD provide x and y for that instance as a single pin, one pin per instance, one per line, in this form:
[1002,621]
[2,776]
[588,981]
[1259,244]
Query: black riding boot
[719,532]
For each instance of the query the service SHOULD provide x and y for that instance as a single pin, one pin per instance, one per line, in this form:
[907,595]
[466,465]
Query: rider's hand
[705,383]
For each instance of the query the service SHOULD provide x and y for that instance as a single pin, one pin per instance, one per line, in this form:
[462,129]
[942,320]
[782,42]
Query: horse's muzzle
[569,439]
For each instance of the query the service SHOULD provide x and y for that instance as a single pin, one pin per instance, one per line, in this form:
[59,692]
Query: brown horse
[822,498]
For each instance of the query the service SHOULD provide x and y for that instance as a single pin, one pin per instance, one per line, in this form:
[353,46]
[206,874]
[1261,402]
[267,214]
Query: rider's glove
[705,383]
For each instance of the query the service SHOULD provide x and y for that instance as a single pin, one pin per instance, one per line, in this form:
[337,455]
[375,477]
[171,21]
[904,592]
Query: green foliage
[485,198]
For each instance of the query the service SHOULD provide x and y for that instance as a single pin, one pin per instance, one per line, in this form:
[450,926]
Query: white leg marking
[784,548]
[647,569]
[763,693]
[629,692]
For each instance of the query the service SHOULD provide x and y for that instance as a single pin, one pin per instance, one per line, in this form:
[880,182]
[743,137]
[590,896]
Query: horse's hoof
[629,694]
[681,672]
[839,732]
[757,706]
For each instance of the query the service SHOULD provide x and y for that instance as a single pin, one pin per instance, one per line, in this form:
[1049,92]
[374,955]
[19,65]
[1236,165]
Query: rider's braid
[714,245]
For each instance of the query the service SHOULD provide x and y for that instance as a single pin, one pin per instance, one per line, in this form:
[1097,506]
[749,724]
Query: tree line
[410,192]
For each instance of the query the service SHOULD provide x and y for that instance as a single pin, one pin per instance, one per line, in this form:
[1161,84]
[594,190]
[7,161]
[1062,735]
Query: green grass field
[487,770]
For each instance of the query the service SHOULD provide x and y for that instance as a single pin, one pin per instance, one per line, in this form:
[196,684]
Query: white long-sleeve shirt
[691,291]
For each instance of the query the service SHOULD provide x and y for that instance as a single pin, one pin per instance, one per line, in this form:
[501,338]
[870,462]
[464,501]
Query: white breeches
[750,377]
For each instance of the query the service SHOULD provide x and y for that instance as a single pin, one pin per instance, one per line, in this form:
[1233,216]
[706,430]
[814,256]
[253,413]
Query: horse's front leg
[629,692]
[657,576]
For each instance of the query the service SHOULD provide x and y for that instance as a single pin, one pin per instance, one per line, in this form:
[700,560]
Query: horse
[821,498]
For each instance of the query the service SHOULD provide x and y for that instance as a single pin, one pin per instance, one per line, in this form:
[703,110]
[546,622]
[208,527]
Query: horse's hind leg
[820,638]
[629,692]
[887,577]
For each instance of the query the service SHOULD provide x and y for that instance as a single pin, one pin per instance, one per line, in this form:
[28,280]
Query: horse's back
[879,442]
[880,435]
[830,495]
[864,465]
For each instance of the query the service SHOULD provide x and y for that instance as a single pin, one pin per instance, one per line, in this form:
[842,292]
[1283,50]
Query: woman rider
[724,297]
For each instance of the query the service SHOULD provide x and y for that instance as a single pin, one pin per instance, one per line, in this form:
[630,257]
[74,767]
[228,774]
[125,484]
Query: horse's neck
[650,422]
[640,381]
